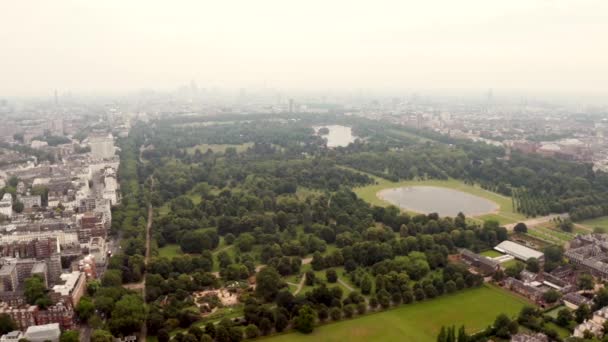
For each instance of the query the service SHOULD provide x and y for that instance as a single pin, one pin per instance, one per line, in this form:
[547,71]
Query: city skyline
[113,47]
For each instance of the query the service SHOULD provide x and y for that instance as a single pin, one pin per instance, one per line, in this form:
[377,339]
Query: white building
[595,325]
[42,333]
[6,205]
[518,251]
[30,201]
[64,238]
[13,336]
[102,146]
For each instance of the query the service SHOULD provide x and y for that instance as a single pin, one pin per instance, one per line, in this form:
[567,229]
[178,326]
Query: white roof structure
[46,332]
[518,251]
[70,280]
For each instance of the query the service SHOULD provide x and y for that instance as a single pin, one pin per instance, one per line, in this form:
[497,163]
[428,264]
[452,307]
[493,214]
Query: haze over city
[304,171]
[453,46]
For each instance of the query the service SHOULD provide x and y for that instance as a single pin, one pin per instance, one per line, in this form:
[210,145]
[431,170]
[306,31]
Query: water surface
[339,136]
[432,199]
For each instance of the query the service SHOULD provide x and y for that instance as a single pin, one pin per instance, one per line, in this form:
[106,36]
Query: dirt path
[537,220]
[300,285]
[343,283]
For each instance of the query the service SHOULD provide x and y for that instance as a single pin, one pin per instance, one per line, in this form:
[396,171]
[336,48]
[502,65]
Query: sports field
[419,322]
[504,215]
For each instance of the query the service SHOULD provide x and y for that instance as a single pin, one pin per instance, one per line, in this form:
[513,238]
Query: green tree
[85,309]
[18,206]
[244,242]
[586,282]
[520,228]
[100,335]
[252,331]
[304,322]
[268,283]
[331,276]
[70,336]
[564,316]
[36,292]
[532,265]
[111,278]
[551,296]
[128,315]
[582,313]
[7,324]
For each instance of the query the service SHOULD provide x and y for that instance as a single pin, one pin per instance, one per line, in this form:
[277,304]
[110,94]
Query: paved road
[537,220]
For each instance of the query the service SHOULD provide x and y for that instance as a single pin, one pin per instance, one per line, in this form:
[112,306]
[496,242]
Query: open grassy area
[601,222]
[218,148]
[504,216]
[510,263]
[419,322]
[490,253]
[170,251]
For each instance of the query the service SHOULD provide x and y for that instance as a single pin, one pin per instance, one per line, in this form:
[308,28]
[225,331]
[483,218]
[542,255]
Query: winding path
[537,220]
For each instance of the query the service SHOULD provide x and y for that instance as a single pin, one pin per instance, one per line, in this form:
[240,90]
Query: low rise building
[6,205]
[595,325]
[484,264]
[42,333]
[518,251]
[72,288]
[13,336]
[590,252]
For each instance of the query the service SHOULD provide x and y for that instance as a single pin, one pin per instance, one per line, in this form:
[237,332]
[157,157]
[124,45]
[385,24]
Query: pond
[432,199]
[338,136]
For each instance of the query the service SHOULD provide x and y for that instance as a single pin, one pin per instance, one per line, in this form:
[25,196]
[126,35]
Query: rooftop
[70,281]
[518,251]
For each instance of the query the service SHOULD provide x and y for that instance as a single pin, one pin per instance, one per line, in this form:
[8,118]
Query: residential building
[6,205]
[102,146]
[72,288]
[13,336]
[590,252]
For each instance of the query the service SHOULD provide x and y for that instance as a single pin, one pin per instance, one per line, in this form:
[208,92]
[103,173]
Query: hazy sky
[118,45]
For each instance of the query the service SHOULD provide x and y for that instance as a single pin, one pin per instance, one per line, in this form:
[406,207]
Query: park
[475,308]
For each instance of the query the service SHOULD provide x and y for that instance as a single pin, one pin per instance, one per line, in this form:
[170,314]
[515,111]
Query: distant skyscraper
[291,105]
[56,98]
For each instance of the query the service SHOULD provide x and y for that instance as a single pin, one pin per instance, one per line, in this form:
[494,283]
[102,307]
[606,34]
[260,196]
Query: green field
[218,148]
[596,222]
[419,322]
[504,216]
[490,253]
[170,251]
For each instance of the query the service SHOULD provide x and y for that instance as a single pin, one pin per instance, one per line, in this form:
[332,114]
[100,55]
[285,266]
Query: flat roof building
[518,251]
[41,333]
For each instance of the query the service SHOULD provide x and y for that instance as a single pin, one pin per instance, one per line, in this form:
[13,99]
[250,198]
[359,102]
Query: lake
[339,136]
[432,199]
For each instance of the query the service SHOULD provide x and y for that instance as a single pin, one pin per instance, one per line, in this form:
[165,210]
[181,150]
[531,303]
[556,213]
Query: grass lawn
[419,322]
[504,216]
[596,222]
[170,251]
[509,263]
[561,331]
[218,148]
[490,253]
